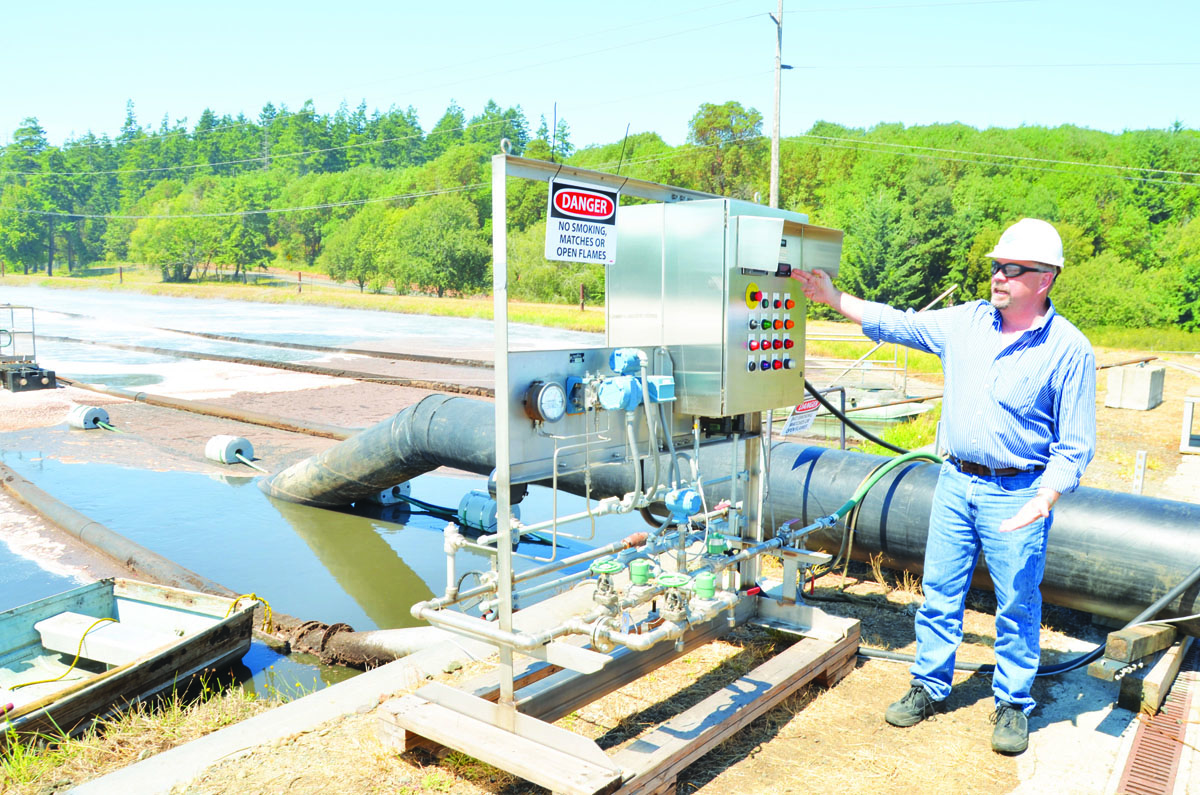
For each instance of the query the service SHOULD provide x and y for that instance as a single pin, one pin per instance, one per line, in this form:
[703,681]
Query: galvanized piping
[1108,553]
[214,410]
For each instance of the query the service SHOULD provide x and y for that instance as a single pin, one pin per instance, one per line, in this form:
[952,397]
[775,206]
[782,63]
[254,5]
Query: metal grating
[1158,744]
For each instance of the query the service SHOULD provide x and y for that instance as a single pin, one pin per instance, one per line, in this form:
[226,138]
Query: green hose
[883,470]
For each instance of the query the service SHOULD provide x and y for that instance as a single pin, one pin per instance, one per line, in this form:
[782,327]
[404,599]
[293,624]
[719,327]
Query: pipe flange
[332,630]
[600,643]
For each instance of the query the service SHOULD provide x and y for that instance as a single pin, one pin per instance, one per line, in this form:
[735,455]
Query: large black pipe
[1109,553]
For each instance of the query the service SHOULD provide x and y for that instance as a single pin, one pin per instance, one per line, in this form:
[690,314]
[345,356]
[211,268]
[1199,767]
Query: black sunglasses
[1013,270]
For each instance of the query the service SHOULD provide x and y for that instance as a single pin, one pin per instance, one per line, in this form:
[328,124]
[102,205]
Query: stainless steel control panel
[710,280]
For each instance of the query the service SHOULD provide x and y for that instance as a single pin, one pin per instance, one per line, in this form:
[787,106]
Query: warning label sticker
[801,418]
[581,225]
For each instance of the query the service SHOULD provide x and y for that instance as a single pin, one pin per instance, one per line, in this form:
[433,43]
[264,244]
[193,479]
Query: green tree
[440,246]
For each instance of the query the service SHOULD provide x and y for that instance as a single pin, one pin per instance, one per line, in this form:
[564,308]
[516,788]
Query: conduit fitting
[87,418]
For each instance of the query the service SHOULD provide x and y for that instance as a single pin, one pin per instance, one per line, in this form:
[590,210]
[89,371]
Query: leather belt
[971,468]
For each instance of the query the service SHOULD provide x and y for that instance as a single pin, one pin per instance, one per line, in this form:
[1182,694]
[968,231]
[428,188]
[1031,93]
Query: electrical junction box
[25,378]
[710,281]
[1137,387]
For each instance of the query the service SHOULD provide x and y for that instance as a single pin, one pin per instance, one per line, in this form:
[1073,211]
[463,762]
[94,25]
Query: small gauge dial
[545,401]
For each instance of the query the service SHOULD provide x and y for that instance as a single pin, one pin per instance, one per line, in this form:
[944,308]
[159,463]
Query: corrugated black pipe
[1109,553]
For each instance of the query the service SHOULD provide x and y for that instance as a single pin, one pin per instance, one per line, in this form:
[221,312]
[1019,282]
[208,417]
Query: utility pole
[779,67]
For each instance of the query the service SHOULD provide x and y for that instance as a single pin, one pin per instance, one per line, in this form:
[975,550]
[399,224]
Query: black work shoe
[1012,730]
[915,707]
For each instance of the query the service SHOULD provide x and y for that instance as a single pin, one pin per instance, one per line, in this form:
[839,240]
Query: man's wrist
[1049,495]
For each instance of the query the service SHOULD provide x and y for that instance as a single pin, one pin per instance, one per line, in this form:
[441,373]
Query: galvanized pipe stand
[696,308]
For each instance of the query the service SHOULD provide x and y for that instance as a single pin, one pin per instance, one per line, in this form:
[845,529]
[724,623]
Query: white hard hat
[1030,240]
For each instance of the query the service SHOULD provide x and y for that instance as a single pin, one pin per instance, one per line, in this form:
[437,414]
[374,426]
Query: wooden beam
[1106,669]
[657,758]
[1161,676]
[533,761]
[1135,643]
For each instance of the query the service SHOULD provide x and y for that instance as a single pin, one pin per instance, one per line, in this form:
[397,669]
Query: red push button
[777,344]
[788,343]
[776,365]
[777,303]
[756,295]
[753,345]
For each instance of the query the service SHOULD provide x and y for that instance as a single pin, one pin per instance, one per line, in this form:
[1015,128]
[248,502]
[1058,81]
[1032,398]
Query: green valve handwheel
[674,580]
[607,567]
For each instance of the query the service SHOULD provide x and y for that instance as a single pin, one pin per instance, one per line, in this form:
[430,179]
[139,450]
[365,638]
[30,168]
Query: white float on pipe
[87,417]
[226,449]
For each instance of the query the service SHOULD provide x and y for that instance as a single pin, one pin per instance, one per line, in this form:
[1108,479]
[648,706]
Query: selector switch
[753,324]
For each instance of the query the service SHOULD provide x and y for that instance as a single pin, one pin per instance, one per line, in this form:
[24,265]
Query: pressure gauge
[545,401]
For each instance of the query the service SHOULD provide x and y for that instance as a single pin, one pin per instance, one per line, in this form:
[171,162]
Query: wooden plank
[540,764]
[836,672]
[540,732]
[1130,694]
[658,757]
[1106,669]
[1135,643]
[1158,681]
[487,687]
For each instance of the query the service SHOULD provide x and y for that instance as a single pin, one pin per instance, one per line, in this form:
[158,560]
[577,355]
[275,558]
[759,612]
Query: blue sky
[1104,65]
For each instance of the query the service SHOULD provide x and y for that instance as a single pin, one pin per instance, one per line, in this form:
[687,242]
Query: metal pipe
[1109,553]
[215,410]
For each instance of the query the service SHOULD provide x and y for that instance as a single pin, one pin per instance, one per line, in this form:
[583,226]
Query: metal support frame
[504,166]
[499,732]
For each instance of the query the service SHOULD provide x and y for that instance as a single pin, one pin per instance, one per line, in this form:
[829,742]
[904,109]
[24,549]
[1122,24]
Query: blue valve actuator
[622,392]
[625,361]
[683,503]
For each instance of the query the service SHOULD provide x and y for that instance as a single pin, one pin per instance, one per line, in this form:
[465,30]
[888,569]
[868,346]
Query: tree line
[376,200]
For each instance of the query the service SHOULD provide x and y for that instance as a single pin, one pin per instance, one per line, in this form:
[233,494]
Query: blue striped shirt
[1026,404]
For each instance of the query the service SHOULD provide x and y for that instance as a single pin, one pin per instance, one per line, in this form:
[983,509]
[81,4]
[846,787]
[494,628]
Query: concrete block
[1137,387]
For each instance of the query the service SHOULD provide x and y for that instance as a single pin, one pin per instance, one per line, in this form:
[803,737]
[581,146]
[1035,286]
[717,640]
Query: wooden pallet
[567,763]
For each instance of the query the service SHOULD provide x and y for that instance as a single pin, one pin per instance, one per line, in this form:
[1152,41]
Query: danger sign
[801,418]
[581,225]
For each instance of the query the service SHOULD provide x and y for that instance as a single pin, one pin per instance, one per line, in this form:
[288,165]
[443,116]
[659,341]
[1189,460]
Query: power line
[824,142]
[257,159]
[1010,157]
[264,211]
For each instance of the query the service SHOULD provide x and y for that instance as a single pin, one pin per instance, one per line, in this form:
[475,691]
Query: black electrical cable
[812,390]
[1043,670]
[1066,665]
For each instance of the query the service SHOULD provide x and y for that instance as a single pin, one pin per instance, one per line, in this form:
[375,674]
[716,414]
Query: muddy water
[139,319]
[307,562]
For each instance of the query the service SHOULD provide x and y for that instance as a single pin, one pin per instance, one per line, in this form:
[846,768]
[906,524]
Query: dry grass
[39,765]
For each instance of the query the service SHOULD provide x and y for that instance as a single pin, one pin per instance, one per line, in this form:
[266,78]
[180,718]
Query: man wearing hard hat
[1019,427]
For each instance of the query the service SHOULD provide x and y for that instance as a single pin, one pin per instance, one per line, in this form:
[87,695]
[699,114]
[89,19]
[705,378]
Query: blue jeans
[965,517]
